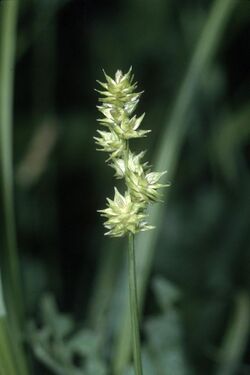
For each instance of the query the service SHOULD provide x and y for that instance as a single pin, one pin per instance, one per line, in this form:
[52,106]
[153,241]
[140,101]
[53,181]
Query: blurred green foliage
[202,242]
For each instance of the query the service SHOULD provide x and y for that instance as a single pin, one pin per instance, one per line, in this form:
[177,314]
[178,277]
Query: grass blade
[9,257]
[236,337]
[7,358]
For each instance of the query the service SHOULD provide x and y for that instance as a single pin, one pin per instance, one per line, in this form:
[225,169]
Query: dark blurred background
[202,244]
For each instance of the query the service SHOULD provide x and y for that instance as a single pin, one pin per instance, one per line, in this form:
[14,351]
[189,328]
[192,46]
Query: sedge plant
[126,214]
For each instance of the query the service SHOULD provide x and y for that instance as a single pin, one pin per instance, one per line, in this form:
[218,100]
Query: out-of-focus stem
[9,257]
[8,364]
[236,337]
[10,268]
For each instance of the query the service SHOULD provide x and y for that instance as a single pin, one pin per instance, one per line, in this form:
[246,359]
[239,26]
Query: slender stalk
[134,311]
[10,268]
[9,256]
[8,364]
[235,340]
[7,357]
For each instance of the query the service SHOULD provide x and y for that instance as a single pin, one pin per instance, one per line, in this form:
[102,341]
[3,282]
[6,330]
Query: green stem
[235,340]
[7,356]
[9,256]
[134,311]
[10,268]
[126,154]
[8,359]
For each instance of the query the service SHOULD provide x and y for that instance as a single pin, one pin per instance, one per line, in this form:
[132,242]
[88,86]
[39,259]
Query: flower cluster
[125,213]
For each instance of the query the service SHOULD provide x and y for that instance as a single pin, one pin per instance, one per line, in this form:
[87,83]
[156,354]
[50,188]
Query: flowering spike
[125,213]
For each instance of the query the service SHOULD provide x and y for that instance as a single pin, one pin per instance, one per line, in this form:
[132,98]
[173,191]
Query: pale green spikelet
[119,93]
[126,213]
[127,128]
[132,164]
[110,142]
[144,187]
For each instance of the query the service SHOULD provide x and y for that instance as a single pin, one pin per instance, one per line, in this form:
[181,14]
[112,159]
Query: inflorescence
[126,213]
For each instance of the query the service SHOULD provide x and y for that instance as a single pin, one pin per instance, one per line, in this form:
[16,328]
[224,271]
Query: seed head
[126,213]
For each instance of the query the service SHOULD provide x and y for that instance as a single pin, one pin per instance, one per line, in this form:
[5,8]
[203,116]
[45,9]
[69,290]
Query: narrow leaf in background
[9,257]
